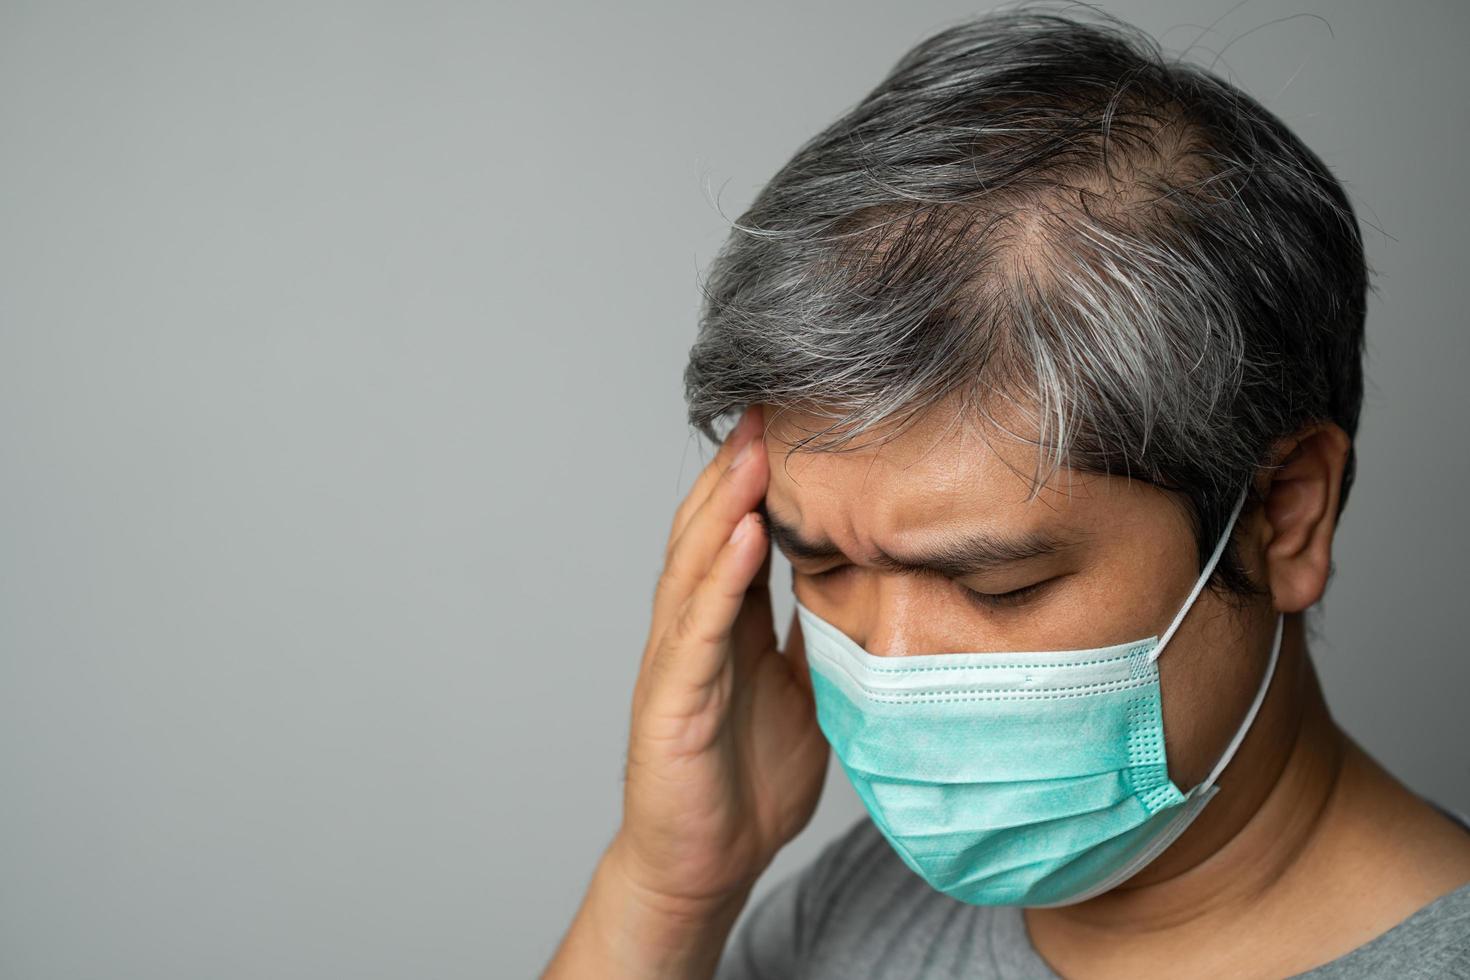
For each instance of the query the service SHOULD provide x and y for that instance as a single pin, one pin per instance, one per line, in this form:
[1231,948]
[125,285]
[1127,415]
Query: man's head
[1047,286]
[1045,224]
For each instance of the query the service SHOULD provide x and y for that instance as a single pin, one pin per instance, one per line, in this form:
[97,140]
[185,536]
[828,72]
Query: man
[1049,355]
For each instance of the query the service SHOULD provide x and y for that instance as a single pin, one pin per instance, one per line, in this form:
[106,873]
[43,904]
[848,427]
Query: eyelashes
[1015,597]
[984,600]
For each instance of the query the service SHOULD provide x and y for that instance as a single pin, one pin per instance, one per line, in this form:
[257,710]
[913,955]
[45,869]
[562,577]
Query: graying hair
[1043,208]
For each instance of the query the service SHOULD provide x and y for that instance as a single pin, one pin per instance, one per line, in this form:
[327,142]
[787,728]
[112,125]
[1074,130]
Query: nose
[900,617]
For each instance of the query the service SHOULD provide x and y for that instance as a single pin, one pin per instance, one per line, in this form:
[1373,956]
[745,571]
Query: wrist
[620,864]
[655,934]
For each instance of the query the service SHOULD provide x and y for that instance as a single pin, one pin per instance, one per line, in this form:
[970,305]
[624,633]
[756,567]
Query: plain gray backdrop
[342,426]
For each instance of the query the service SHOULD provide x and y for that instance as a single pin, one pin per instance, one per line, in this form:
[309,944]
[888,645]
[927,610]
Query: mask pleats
[1014,741]
[1021,778]
[1070,861]
[960,810]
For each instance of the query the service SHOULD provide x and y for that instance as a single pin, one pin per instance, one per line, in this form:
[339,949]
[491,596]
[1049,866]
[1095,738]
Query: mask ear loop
[1250,716]
[1196,798]
[1204,577]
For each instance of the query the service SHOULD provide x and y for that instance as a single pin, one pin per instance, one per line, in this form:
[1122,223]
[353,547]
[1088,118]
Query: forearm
[621,931]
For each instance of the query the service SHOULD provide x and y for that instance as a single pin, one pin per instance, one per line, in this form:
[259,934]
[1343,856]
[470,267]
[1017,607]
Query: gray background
[341,422]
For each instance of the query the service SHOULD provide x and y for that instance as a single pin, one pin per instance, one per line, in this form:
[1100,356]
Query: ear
[1300,513]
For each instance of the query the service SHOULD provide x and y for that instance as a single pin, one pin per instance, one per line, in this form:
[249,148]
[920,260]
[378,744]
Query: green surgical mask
[1034,778]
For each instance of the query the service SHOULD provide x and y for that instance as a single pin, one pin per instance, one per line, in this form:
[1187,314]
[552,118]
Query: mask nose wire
[1204,577]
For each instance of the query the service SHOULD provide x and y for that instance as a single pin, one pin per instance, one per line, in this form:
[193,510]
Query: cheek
[1208,680]
[1095,608]
[795,652]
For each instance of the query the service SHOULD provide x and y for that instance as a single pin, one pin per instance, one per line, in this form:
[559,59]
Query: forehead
[947,466]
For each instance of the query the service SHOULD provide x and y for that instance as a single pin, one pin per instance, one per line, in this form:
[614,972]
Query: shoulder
[858,855]
[853,876]
[780,931]
[1434,942]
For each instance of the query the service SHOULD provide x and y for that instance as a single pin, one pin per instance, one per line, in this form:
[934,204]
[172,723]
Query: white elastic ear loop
[1198,796]
[1204,577]
[1250,716]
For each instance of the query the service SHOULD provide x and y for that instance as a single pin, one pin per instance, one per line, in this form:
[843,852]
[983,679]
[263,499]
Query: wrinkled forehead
[944,466]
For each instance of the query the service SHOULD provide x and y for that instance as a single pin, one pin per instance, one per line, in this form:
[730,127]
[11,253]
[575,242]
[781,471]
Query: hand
[725,757]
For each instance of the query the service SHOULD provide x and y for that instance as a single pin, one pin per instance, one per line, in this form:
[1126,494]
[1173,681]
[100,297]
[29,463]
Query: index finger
[749,427]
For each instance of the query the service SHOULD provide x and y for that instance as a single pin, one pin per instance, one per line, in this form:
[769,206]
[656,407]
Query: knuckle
[664,590]
[678,632]
[687,615]
[681,515]
[676,570]
[687,622]
[682,565]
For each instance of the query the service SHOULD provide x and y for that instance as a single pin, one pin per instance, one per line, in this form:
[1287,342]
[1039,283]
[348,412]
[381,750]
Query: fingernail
[742,528]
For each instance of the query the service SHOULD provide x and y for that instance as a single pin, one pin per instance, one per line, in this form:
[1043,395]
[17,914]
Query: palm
[740,778]
[784,754]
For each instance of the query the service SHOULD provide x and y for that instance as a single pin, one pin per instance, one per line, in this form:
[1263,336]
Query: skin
[725,761]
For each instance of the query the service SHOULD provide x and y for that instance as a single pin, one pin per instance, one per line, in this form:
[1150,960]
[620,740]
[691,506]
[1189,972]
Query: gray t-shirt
[857,911]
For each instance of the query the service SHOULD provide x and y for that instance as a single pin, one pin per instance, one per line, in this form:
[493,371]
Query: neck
[1233,863]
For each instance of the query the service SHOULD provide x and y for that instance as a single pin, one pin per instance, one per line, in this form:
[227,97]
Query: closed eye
[985,600]
[1015,597]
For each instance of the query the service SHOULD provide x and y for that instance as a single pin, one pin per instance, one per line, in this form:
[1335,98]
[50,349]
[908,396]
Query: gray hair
[1046,210]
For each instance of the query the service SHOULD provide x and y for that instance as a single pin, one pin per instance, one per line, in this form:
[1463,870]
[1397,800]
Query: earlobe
[1300,512]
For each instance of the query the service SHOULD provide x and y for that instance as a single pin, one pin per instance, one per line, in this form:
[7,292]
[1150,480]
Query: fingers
[750,424]
[731,495]
[754,632]
[694,651]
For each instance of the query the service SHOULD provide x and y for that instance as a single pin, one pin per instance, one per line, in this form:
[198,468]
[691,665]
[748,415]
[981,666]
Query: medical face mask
[1035,778]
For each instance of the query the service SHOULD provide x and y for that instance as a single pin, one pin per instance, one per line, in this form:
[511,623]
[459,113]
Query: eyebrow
[956,555]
